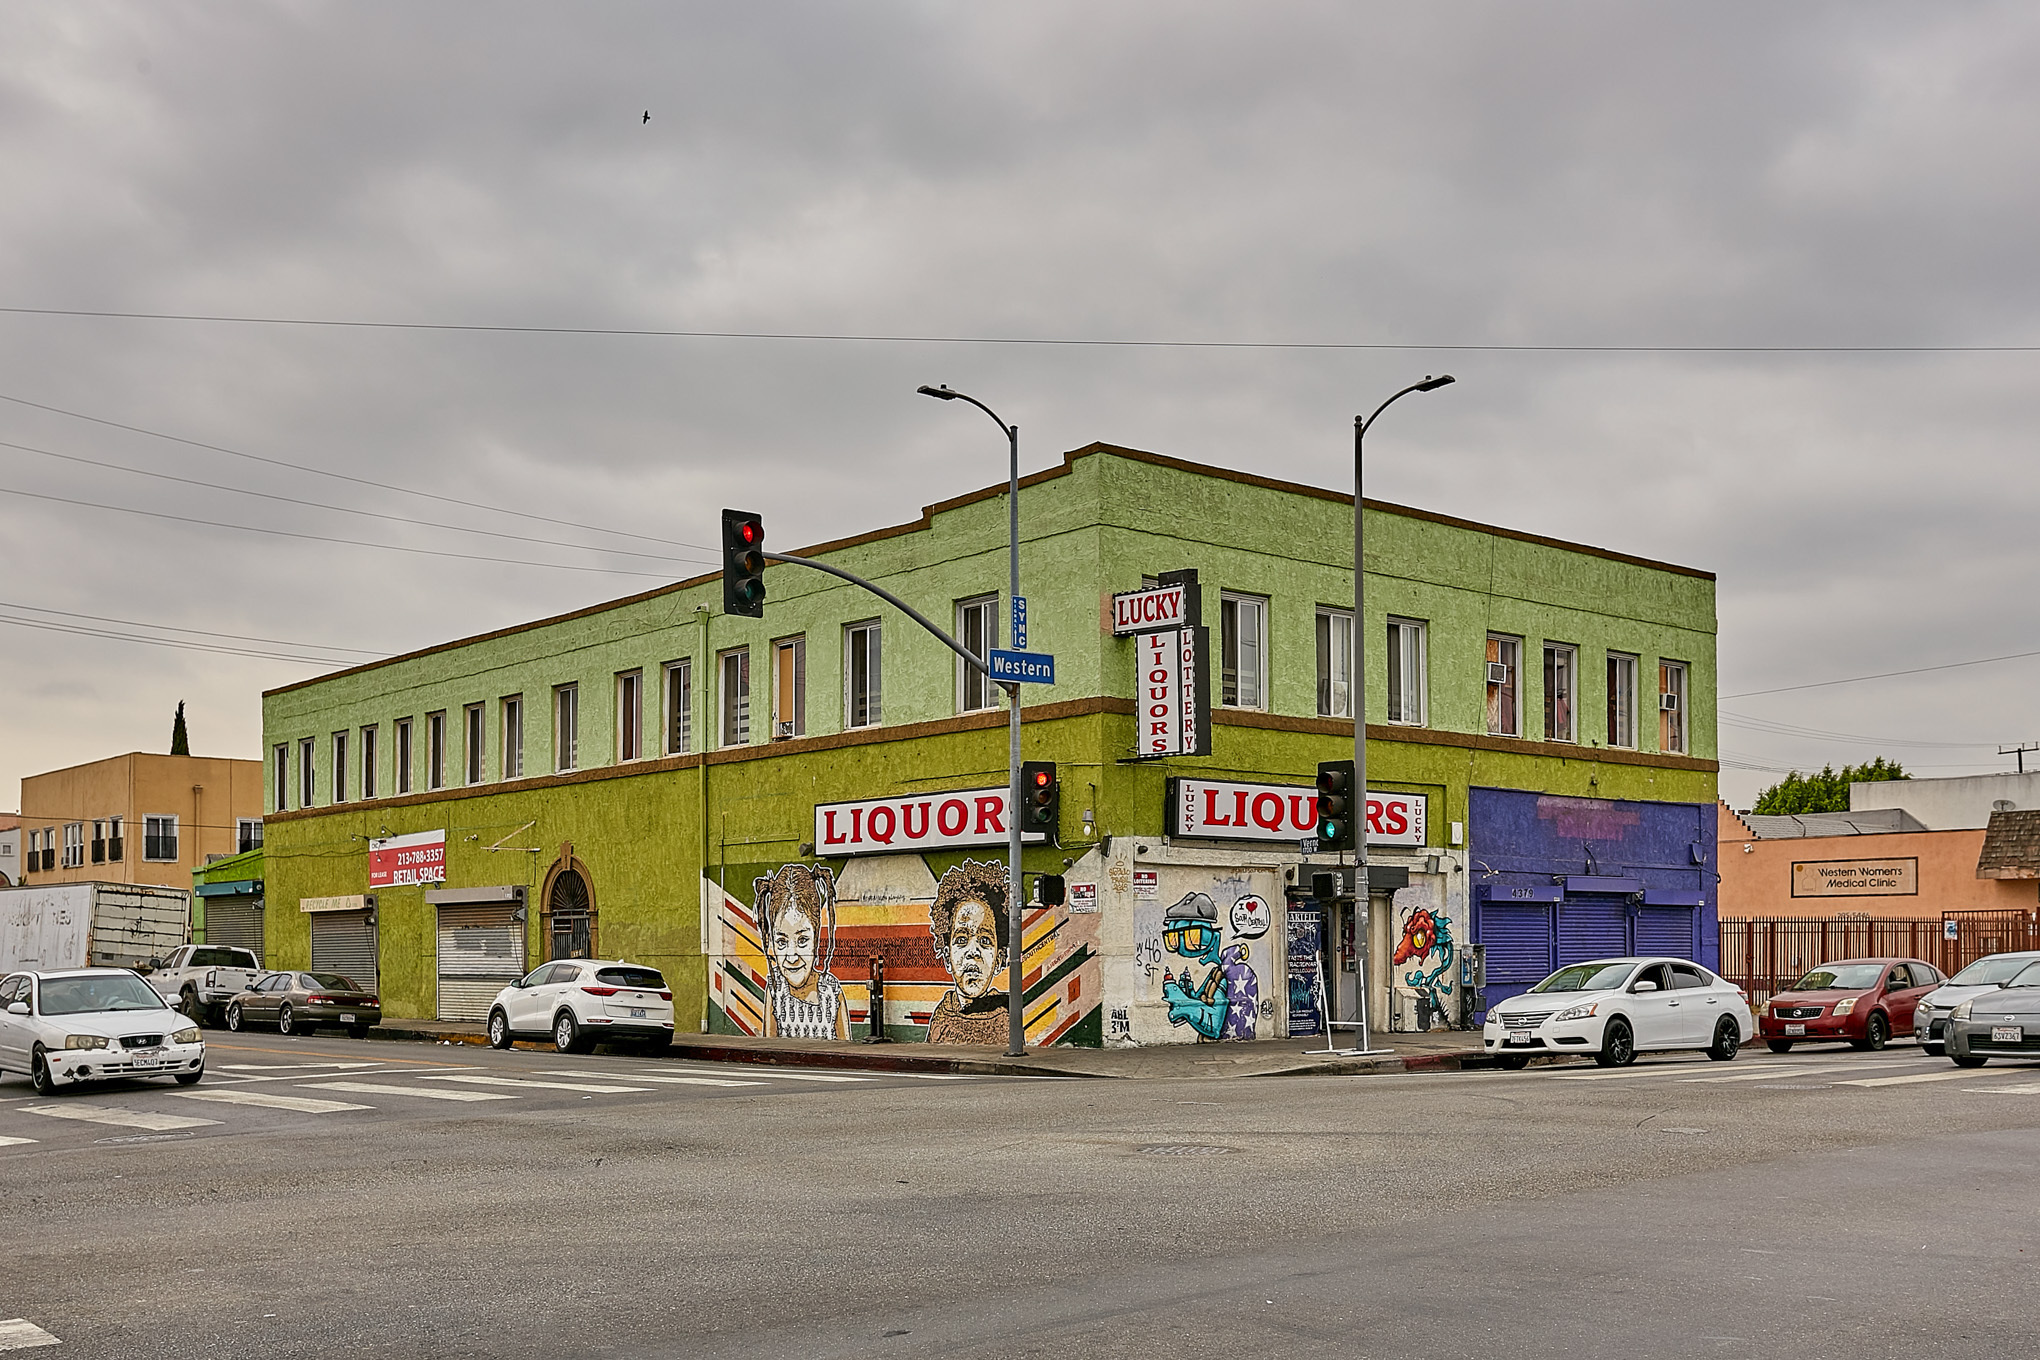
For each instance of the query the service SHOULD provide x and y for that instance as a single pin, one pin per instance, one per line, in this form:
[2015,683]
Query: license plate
[1521,1036]
[637,1012]
[346,1019]
[1795,1029]
[2008,1034]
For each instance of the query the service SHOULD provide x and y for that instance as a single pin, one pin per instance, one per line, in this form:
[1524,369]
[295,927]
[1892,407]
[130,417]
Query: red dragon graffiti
[1423,935]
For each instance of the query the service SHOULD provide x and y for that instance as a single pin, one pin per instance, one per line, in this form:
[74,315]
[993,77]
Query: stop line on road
[374,1088]
[478,1080]
[272,1100]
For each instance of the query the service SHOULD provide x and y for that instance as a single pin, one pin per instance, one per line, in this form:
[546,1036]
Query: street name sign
[1020,622]
[1032,668]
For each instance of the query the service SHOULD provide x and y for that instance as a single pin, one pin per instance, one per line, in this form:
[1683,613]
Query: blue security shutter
[1592,928]
[1517,941]
[1666,930]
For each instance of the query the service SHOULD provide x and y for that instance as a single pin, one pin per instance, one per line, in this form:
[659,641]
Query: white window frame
[340,766]
[976,692]
[1567,729]
[513,736]
[630,715]
[1503,701]
[74,846]
[474,743]
[1246,688]
[404,756]
[733,696]
[116,842]
[566,726]
[435,750]
[155,837]
[678,688]
[308,771]
[1333,629]
[1406,657]
[369,742]
[863,641]
[1672,724]
[247,834]
[789,652]
[1622,700]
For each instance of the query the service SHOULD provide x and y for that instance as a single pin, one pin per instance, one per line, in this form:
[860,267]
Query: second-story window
[99,841]
[74,845]
[863,676]
[1561,665]
[435,750]
[977,630]
[1243,650]
[1504,688]
[789,688]
[403,755]
[159,839]
[630,715]
[308,764]
[1621,700]
[734,685]
[116,845]
[474,739]
[566,727]
[513,736]
[1672,706]
[1334,663]
[368,767]
[679,706]
[280,783]
[247,834]
[1407,672]
[339,767]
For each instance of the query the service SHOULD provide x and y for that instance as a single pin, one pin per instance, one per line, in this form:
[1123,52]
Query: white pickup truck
[200,979]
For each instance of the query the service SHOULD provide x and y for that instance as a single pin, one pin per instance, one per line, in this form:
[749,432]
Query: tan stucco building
[1857,864]
[138,818]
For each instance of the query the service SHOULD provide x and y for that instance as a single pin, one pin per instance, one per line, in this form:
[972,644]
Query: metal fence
[1767,954]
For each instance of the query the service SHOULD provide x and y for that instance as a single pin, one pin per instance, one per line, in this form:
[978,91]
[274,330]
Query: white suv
[583,1002]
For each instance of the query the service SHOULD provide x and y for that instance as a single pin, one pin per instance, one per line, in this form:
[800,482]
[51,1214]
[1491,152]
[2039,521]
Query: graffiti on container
[797,905]
[1226,1001]
[1427,942]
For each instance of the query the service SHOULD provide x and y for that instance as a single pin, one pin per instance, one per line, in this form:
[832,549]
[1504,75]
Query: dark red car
[1860,1001]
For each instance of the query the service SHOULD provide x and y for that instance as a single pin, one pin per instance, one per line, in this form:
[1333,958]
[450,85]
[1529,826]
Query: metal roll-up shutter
[1516,944]
[1592,928]
[344,942]
[235,921]
[481,951]
[1667,930]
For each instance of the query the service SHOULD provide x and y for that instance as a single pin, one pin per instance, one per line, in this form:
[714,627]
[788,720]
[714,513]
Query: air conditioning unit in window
[1668,703]
[1498,672]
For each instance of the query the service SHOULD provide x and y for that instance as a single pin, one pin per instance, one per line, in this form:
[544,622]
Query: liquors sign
[1214,809]
[1171,715]
[914,823]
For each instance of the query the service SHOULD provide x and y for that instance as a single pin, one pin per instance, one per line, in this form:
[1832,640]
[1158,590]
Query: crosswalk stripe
[1959,1074]
[677,1081]
[1665,1070]
[273,1100]
[14,1142]
[19,1334]
[752,1074]
[2027,1089]
[288,1067]
[524,1081]
[112,1114]
[1787,1073]
[369,1088]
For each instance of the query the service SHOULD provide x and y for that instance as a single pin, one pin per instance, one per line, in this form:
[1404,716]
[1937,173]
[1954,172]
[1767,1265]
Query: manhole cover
[1185,1150]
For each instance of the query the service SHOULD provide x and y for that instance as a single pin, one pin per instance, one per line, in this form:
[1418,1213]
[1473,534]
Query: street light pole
[1016,1027]
[1359,690]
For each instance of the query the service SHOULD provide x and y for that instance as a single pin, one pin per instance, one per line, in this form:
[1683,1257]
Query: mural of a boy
[797,908]
[1223,1005]
[968,921]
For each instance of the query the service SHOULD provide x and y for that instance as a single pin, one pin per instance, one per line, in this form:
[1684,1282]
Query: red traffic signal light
[1040,797]
[743,564]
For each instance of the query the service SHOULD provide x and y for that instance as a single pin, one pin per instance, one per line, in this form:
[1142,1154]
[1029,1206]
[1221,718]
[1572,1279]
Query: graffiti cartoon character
[1423,936]
[1224,1004]
[797,908]
[968,921]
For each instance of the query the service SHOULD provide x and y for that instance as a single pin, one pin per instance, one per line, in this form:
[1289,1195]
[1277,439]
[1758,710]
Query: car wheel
[39,1074]
[190,1078]
[286,1023]
[1618,1044]
[1876,1033]
[357,1031]
[193,1008]
[1512,1062]
[567,1034]
[1968,1059]
[1727,1041]
[1778,1045]
[499,1030]
[234,1016]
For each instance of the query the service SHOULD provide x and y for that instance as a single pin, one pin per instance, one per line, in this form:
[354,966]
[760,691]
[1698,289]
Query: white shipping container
[79,925]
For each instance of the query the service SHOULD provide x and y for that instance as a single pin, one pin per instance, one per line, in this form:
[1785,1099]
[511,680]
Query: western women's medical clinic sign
[914,823]
[1212,809]
[404,861]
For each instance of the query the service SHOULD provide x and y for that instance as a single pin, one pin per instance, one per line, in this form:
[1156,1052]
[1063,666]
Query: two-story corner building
[762,807]
[139,818]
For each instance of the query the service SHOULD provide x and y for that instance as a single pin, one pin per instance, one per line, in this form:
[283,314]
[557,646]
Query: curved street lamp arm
[896,602]
[950,394]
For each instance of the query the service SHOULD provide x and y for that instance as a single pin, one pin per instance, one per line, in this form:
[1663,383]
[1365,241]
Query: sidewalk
[1437,1051]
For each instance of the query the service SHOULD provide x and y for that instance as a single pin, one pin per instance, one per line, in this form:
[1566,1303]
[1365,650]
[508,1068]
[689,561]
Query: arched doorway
[568,910]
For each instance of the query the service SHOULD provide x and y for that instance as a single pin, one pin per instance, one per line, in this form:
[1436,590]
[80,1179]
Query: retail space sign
[916,822]
[1146,611]
[1172,711]
[1856,878]
[405,861]
[1216,809]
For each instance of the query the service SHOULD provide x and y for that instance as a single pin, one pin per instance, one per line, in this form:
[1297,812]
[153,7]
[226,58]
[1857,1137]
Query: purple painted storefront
[1556,880]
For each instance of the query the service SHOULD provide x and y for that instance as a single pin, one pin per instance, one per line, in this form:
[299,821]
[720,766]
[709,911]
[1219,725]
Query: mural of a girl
[968,921]
[797,908]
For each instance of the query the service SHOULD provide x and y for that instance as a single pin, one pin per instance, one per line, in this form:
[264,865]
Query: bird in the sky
[648,115]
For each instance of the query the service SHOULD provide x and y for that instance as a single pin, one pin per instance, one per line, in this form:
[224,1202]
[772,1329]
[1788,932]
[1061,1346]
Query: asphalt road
[448,1201]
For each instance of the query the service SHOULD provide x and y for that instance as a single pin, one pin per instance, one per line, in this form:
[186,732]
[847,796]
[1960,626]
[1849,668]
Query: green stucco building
[623,780]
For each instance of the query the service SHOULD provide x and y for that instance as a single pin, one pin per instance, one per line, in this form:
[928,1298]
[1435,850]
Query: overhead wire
[178,644]
[202,632]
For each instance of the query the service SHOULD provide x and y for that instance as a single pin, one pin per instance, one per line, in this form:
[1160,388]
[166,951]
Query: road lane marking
[1959,1074]
[1783,1074]
[369,1088]
[675,1081]
[523,1081]
[274,1100]
[2029,1089]
[288,1067]
[750,1074]
[113,1114]
[1663,1070]
[18,1334]
[14,1142]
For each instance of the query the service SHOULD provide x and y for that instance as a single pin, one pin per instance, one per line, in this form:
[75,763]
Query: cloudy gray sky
[1575,178]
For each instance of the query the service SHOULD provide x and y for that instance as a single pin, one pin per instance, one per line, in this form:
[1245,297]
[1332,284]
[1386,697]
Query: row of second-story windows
[108,845]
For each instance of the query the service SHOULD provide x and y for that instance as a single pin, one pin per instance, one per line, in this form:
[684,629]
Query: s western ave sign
[1213,809]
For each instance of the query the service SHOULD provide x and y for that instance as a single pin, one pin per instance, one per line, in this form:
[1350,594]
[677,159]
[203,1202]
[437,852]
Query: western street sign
[1033,668]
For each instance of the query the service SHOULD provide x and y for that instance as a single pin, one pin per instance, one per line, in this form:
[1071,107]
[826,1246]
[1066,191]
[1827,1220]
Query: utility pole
[2020,751]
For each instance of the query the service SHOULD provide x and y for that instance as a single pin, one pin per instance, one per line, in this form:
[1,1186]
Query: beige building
[138,818]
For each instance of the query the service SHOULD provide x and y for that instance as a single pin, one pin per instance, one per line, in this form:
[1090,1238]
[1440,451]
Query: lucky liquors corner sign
[1226,810]
[1172,667]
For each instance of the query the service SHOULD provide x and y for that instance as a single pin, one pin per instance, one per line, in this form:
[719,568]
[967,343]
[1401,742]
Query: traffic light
[1337,803]
[1040,797]
[1051,890]
[743,564]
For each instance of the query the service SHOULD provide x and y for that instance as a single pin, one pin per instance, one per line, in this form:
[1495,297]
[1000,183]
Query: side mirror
[1642,987]
[17,1008]
[155,962]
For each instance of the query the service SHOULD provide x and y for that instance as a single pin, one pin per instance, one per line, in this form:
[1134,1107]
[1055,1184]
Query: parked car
[93,1024]
[1930,1020]
[1861,1002]
[1617,1008]
[583,1002]
[2002,1022]
[200,979]
[298,1003]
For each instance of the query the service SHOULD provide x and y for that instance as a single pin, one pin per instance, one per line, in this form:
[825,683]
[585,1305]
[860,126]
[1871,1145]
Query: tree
[1827,791]
[180,740]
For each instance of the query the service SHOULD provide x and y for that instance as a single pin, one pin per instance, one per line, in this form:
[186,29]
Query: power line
[635,332]
[202,632]
[339,509]
[345,477]
[1883,675]
[176,643]
[1816,733]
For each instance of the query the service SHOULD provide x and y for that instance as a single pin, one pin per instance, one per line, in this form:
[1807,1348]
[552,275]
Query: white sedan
[93,1024]
[1614,1009]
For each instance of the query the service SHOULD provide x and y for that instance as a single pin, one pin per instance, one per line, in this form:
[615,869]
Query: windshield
[334,982]
[1841,977]
[103,992]
[1586,977]
[646,978]
[2029,976]
[1984,972]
